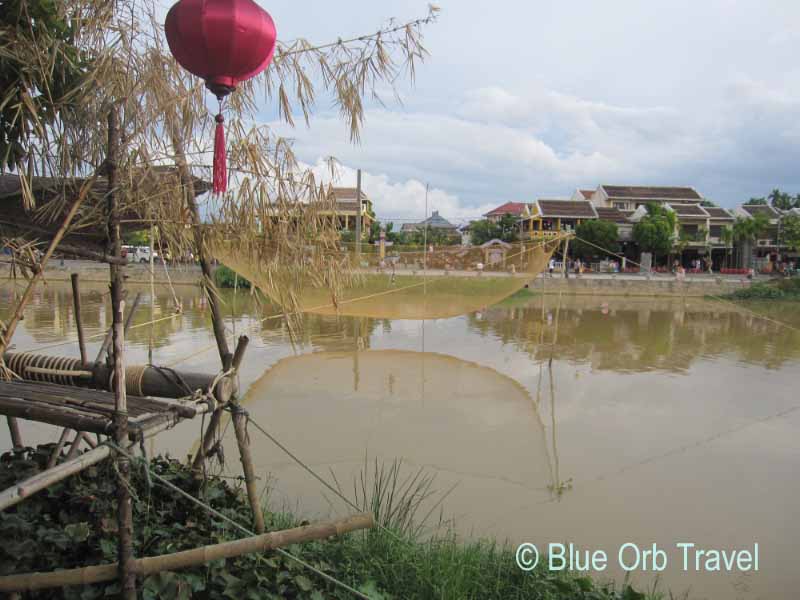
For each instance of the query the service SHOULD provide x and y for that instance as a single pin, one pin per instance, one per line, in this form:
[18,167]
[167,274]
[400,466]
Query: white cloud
[399,201]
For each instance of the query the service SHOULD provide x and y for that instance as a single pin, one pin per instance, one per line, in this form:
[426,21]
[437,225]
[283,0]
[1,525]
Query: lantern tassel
[220,179]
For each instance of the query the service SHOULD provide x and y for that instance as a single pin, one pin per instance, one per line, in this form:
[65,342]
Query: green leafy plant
[601,234]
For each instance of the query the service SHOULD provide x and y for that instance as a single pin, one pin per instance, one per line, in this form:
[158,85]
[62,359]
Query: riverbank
[90,271]
[73,525]
[592,284]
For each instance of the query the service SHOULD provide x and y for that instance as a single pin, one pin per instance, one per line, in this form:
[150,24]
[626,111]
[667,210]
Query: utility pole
[358,218]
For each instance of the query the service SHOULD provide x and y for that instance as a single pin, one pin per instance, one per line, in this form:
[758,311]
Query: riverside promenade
[608,284]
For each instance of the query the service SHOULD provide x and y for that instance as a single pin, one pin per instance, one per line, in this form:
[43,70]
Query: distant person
[552,266]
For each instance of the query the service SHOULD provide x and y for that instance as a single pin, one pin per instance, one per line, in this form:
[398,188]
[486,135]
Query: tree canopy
[656,230]
[790,231]
[507,229]
[600,233]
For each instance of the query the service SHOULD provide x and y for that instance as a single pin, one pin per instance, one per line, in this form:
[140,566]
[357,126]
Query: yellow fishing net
[421,283]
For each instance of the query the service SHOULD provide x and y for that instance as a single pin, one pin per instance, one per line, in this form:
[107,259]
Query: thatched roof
[53,196]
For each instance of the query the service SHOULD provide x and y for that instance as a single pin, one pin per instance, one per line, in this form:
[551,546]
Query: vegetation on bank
[225,277]
[782,289]
[72,524]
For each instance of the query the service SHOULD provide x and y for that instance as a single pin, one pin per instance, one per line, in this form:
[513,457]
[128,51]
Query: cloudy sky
[528,99]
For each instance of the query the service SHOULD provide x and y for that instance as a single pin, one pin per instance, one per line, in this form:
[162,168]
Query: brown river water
[660,421]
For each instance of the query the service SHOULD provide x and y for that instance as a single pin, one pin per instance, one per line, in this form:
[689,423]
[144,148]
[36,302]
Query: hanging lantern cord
[220,175]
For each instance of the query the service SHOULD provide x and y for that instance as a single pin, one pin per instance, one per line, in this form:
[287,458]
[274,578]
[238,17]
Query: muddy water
[667,421]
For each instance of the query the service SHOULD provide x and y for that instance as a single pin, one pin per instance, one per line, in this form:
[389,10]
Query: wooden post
[564,259]
[358,218]
[76,303]
[124,505]
[240,428]
[16,436]
[59,446]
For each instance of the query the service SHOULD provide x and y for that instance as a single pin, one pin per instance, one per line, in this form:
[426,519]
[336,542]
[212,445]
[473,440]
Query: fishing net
[416,283]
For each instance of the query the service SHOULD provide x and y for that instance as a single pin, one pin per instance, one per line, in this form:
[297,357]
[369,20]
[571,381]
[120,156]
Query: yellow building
[549,218]
[343,206]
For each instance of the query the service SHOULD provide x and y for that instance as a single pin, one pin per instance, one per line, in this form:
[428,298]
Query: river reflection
[666,421]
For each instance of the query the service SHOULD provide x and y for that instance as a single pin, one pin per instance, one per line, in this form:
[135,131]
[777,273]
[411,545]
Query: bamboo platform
[87,410]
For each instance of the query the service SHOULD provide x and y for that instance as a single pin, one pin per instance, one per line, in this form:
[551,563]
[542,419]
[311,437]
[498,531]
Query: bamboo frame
[188,558]
[24,489]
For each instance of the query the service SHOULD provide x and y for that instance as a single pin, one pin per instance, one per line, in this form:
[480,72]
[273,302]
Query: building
[766,248]
[343,206]
[435,222]
[548,217]
[629,198]
[515,209]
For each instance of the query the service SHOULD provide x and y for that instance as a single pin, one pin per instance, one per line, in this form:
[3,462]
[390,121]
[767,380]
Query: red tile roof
[512,208]
[764,209]
[651,192]
[689,210]
[586,193]
[718,214]
[571,209]
[610,213]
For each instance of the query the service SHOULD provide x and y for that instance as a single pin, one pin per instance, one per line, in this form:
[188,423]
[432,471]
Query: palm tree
[727,239]
[747,230]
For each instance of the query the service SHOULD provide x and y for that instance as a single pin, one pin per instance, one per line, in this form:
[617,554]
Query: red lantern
[223,42]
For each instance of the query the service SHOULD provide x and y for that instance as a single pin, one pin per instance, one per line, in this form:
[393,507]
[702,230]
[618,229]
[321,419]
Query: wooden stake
[188,558]
[208,438]
[76,303]
[16,436]
[124,506]
[60,446]
[358,218]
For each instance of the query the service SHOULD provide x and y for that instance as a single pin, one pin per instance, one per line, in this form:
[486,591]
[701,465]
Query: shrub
[225,277]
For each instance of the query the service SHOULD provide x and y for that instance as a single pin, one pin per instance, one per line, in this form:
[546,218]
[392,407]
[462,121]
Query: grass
[72,524]
[781,289]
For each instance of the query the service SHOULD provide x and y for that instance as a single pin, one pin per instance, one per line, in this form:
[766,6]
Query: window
[715,231]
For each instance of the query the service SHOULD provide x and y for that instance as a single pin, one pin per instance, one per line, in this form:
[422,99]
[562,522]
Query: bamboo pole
[59,446]
[24,489]
[189,558]
[38,272]
[76,445]
[11,326]
[213,423]
[240,428]
[16,436]
[76,303]
[126,571]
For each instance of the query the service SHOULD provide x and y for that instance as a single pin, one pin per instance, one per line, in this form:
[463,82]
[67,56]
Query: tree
[655,231]
[790,231]
[727,239]
[508,228]
[781,200]
[36,33]
[747,230]
[137,238]
[758,201]
[603,236]
[484,230]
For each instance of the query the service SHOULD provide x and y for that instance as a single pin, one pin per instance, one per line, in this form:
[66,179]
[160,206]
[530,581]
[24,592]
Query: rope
[236,524]
[134,376]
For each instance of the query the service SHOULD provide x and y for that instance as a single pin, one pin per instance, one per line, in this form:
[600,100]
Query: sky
[524,100]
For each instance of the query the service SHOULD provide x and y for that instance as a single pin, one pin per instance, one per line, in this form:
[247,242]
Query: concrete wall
[639,286]
[135,273]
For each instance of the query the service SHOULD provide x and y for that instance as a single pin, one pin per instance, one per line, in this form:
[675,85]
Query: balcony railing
[545,234]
